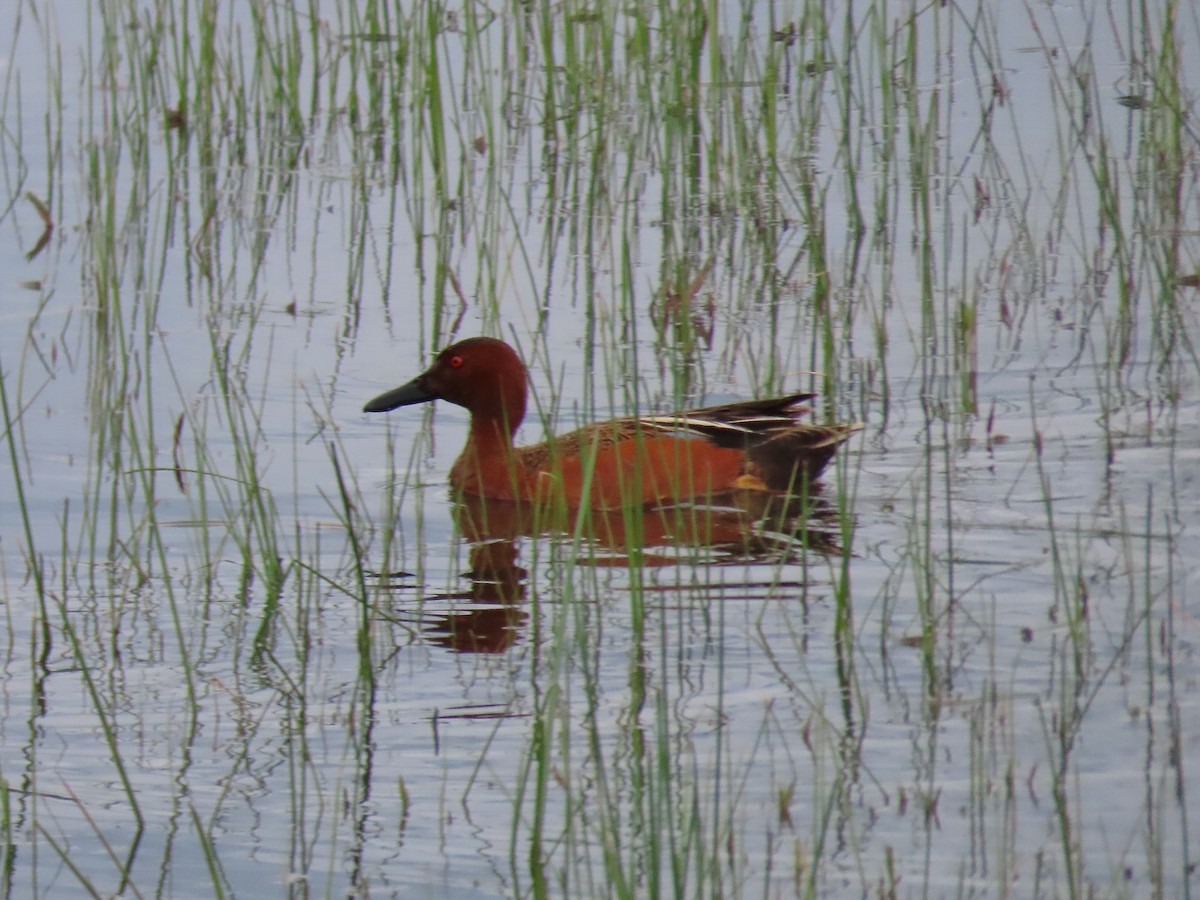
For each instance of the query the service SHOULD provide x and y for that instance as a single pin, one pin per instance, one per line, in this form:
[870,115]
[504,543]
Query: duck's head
[483,375]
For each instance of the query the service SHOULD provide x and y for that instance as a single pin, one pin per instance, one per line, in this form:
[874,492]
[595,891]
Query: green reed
[710,200]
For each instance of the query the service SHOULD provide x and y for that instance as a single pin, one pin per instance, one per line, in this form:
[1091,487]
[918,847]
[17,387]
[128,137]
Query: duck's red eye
[456,362]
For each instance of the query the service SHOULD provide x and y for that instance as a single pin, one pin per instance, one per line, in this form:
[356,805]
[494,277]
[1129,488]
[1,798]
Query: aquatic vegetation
[252,640]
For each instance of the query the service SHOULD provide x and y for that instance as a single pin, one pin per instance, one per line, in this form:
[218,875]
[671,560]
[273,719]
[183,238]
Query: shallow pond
[250,646]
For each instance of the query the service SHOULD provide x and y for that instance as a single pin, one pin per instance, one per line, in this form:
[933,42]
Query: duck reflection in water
[495,616]
[747,528]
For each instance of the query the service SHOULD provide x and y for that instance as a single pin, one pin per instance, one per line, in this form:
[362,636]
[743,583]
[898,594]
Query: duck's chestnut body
[700,453]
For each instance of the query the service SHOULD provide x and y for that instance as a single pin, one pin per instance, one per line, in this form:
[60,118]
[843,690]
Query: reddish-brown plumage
[700,453]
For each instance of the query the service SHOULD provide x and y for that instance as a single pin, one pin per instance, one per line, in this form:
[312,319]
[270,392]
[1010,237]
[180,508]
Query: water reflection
[748,528]
[494,618]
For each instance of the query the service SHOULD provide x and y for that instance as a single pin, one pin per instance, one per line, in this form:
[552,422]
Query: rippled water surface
[253,645]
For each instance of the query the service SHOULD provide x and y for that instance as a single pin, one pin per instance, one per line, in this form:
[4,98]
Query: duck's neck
[488,465]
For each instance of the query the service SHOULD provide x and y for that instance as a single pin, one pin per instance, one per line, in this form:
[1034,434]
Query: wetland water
[252,645]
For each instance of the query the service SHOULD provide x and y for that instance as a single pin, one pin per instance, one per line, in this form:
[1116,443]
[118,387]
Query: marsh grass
[254,206]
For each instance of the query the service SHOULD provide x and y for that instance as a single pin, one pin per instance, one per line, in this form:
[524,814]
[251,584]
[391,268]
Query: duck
[693,455]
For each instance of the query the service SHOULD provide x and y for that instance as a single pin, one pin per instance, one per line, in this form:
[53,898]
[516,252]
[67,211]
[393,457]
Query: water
[1003,655]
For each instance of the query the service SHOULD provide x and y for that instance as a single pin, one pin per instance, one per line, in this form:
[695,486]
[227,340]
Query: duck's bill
[405,395]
